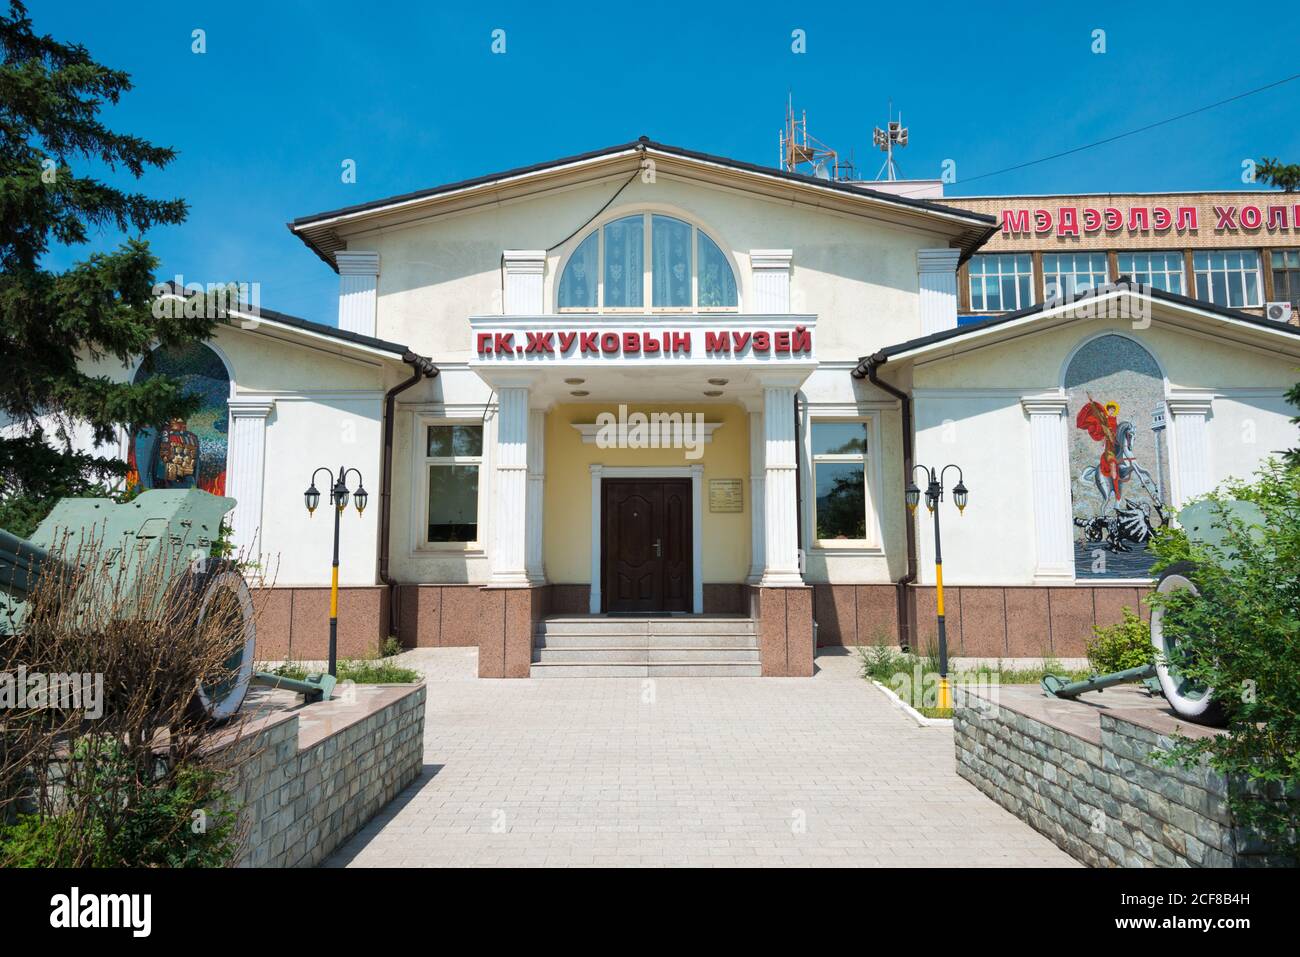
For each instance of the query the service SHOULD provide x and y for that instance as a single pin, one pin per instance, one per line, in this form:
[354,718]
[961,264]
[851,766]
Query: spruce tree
[51,141]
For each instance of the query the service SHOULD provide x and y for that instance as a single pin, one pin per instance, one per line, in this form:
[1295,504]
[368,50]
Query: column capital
[937,260]
[770,258]
[250,408]
[1190,403]
[357,262]
[524,260]
[1050,403]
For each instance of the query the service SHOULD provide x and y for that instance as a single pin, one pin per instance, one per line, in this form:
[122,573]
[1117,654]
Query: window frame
[870,474]
[1031,292]
[1166,270]
[423,462]
[1073,256]
[647,307]
[1292,274]
[1209,271]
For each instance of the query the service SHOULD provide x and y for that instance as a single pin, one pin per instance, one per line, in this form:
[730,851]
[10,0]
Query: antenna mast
[894,134]
[799,149]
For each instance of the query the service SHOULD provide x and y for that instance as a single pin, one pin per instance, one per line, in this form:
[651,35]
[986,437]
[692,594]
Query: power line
[1133,132]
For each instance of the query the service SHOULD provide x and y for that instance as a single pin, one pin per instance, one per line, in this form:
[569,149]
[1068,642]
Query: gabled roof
[251,319]
[319,231]
[924,345]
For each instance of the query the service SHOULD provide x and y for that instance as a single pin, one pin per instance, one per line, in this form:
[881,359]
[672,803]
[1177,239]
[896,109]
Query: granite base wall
[300,803]
[1107,803]
[983,621]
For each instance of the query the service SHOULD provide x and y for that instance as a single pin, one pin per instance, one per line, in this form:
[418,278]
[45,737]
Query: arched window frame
[647,278]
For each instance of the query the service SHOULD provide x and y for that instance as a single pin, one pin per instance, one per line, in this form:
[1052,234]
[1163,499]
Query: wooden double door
[646,545]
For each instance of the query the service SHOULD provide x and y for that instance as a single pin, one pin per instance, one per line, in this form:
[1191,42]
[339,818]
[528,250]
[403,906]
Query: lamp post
[933,496]
[338,487]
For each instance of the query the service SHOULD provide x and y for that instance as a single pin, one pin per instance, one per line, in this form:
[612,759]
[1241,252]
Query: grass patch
[376,669]
[913,676]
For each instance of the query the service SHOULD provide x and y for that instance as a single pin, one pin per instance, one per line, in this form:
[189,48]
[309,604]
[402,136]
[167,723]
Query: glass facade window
[453,456]
[684,269]
[839,463]
[1001,282]
[1066,275]
[1286,275]
[1156,269]
[1228,277]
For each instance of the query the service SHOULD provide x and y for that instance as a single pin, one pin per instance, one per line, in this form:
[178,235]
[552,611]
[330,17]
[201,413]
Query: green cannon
[1203,526]
[168,529]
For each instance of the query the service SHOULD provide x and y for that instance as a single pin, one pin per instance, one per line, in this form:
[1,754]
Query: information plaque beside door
[726,495]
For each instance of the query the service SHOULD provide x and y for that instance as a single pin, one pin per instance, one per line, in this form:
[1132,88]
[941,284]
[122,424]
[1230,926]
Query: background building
[1240,250]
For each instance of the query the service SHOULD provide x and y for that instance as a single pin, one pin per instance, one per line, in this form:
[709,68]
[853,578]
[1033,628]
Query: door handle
[659,551]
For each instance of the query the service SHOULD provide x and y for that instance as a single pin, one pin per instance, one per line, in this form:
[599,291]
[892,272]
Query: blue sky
[288,90]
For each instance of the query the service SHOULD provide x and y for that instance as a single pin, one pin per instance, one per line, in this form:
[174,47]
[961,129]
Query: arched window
[648,262]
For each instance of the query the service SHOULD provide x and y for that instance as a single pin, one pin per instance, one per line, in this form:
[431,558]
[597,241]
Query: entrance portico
[676,444]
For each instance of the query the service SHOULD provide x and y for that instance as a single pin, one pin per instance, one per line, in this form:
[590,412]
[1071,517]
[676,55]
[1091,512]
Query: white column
[780,506]
[510,496]
[524,270]
[756,474]
[936,271]
[596,482]
[771,279]
[1050,487]
[536,487]
[1190,448]
[245,472]
[358,290]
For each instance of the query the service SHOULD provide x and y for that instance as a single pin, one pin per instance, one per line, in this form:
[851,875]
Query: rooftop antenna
[894,135]
[799,149]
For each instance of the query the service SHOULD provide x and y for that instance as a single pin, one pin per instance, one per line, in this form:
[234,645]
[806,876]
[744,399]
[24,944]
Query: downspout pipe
[868,369]
[422,369]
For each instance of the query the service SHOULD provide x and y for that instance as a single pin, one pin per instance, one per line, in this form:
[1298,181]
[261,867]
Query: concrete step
[663,669]
[645,655]
[547,640]
[618,625]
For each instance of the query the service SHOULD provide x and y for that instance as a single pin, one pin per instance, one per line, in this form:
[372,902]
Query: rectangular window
[453,455]
[1286,276]
[839,464]
[1159,270]
[1066,275]
[1228,277]
[1001,282]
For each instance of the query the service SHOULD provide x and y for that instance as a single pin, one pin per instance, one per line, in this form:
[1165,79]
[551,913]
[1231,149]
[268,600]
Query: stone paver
[683,771]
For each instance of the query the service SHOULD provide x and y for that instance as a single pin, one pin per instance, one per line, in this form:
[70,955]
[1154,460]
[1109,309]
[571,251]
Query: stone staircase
[694,646]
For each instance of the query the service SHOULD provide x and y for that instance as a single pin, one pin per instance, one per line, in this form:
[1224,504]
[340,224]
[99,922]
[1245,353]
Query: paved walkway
[683,771]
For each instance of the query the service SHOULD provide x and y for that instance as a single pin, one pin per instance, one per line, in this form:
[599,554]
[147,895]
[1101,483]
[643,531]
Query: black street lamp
[933,496]
[339,499]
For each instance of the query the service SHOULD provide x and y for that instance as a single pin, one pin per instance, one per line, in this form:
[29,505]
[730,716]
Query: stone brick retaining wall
[320,772]
[1087,779]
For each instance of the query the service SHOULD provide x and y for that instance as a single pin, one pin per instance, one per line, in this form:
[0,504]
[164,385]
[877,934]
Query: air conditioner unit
[1279,311]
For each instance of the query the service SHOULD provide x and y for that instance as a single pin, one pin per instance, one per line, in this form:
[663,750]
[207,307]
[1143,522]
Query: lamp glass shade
[959,495]
[311,497]
[931,497]
[912,495]
[360,499]
[341,497]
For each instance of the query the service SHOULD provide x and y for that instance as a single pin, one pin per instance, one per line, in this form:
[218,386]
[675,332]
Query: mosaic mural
[1119,476]
[185,453]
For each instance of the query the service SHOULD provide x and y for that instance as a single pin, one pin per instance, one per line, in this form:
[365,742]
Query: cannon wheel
[1191,701]
[208,579]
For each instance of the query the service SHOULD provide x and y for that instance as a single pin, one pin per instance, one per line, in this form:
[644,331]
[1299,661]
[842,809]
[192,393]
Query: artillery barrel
[20,565]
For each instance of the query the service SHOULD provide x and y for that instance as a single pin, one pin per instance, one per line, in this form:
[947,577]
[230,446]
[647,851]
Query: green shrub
[1123,645]
[1241,637]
